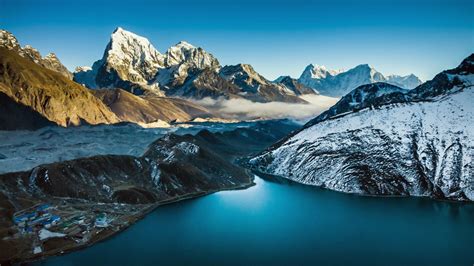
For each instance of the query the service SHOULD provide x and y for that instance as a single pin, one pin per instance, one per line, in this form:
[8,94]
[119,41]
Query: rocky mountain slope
[339,83]
[417,143]
[130,62]
[131,108]
[49,93]
[50,61]
[29,80]
[255,87]
[123,188]
[15,116]
[295,86]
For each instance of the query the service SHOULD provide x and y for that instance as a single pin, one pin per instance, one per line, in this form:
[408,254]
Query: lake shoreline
[133,221]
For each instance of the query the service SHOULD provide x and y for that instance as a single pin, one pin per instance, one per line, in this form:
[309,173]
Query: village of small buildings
[50,226]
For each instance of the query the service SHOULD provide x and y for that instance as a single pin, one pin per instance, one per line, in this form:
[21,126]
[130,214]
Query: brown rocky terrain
[49,93]
[146,109]
[50,61]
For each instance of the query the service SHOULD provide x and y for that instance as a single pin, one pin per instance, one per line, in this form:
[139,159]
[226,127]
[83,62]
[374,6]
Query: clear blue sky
[276,37]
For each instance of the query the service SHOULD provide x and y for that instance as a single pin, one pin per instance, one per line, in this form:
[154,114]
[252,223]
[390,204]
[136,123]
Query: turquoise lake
[281,224]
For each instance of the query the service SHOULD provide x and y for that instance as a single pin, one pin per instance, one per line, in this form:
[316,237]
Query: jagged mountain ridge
[49,93]
[339,83]
[420,146]
[369,95]
[27,80]
[131,63]
[295,85]
[50,61]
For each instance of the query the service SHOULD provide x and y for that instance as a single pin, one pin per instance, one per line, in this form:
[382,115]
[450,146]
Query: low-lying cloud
[245,109]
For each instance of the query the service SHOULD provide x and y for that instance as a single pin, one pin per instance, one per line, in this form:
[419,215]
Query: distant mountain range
[338,83]
[132,63]
[380,139]
[134,82]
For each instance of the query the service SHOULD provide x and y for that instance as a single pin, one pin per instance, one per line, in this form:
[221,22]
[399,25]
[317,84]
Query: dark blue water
[274,224]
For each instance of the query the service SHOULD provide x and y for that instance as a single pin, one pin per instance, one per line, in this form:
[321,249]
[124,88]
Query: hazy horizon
[394,37]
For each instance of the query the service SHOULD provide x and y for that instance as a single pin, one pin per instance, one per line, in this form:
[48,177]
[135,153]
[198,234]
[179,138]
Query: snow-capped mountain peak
[130,61]
[127,48]
[185,44]
[184,52]
[317,72]
[339,83]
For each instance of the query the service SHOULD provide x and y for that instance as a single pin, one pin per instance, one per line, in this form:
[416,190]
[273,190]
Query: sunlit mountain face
[245,133]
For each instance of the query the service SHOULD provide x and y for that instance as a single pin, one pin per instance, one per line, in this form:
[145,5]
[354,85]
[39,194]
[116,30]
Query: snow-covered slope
[50,61]
[420,147]
[338,83]
[373,94]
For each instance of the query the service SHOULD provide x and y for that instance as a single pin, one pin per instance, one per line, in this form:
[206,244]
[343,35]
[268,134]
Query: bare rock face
[417,142]
[50,61]
[49,93]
